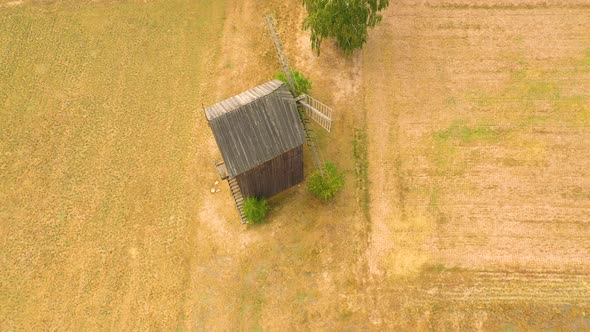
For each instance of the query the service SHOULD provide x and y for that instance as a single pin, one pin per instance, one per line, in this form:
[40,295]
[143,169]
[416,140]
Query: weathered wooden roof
[255,126]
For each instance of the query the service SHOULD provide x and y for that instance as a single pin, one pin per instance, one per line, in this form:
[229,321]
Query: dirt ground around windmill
[463,128]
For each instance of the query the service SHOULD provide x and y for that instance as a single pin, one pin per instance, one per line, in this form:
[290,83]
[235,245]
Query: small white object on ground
[212,190]
[218,190]
[216,182]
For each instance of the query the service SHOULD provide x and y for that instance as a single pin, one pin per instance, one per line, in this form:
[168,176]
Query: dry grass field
[99,161]
[463,128]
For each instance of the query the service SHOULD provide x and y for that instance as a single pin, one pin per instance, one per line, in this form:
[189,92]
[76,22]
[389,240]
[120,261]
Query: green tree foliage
[302,84]
[255,209]
[326,186]
[345,20]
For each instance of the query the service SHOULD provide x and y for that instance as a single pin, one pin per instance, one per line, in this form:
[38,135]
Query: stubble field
[463,128]
[99,161]
[479,161]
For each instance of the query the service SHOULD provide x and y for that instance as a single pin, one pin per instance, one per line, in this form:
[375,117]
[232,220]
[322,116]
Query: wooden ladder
[238,199]
[309,137]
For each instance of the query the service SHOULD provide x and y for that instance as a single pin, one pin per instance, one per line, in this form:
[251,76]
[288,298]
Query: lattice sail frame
[317,111]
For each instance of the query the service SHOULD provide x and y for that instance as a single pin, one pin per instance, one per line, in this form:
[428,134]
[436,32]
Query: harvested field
[463,128]
[99,162]
[478,158]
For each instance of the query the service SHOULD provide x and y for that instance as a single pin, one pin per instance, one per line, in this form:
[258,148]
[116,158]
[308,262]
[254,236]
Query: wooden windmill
[260,134]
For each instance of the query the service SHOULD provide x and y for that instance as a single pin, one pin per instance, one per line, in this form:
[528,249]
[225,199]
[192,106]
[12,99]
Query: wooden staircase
[237,195]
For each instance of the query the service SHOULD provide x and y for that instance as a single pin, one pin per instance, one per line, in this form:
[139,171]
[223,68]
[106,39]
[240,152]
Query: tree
[328,185]
[345,20]
[255,209]
[302,84]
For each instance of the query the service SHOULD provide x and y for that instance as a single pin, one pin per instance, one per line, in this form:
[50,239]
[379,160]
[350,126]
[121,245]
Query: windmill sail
[283,62]
[317,111]
[282,59]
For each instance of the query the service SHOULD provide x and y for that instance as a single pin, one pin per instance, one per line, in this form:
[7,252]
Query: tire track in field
[496,286]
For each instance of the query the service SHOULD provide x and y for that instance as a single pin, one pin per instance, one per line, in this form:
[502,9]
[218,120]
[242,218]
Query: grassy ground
[462,129]
[98,146]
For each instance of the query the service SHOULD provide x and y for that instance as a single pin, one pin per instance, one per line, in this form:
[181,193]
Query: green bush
[255,209]
[326,186]
[302,84]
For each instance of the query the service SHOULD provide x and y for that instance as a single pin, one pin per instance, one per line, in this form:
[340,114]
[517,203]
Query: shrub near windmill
[261,132]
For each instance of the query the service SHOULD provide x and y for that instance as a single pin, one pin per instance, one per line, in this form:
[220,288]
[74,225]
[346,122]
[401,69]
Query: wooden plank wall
[273,176]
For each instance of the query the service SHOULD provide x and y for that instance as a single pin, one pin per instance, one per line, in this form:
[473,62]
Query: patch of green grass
[528,84]
[511,162]
[586,59]
[305,296]
[508,327]
[531,91]
[583,116]
[533,120]
[518,75]
[444,155]
[452,26]
[301,297]
[528,88]
[539,89]
[344,314]
[361,171]
[574,109]
[437,268]
[447,144]
[251,309]
[520,71]
[458,132]
[434,201]
[496,6]
[61,217]
[451,101]
[480,99]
